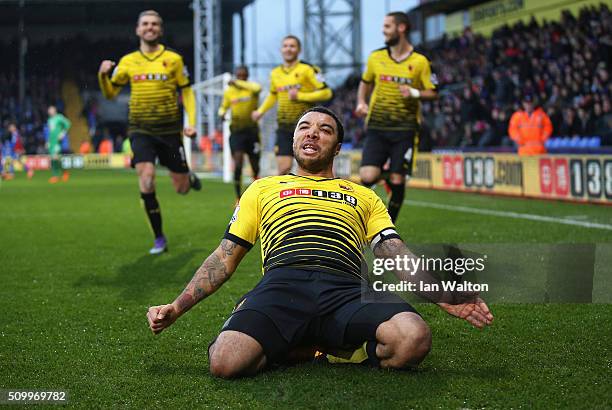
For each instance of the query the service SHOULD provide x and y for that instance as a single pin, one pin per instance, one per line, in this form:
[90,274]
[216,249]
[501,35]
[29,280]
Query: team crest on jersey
[345,187]
[409,67]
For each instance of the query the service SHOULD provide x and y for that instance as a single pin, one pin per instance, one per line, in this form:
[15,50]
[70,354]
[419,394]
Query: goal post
[209,94]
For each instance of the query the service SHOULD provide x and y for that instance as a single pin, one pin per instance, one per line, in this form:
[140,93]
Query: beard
[152,42]
[317,164]
[393,40]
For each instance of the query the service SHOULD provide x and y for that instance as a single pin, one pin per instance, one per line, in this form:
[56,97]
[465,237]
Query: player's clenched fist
[160,317]
[106,66]
[361,110]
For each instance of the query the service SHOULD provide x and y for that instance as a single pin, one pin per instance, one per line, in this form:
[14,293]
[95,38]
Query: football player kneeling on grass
[313,228]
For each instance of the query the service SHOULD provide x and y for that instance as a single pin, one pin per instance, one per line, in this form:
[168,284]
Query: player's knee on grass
[235,354]
[404,341]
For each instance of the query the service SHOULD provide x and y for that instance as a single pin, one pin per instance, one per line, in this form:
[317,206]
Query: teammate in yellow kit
[397,78]
[155,74]
[242,97]
[297,86]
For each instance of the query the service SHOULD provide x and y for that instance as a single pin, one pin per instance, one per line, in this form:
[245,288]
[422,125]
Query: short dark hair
[150,13]
[325,110]
[288,36]
[242,67]
[401,18]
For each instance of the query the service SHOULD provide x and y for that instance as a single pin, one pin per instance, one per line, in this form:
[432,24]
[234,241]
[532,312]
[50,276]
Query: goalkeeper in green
[58,127]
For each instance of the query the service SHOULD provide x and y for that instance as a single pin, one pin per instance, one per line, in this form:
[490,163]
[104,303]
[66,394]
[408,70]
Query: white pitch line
[506,214]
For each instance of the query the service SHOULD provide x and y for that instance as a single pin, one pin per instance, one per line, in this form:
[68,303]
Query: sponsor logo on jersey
[318,193]
[395,79]
[241,99]
[288,87]
[150,77]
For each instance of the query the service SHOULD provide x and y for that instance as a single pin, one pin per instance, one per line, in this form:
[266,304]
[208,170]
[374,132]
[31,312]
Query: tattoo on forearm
[209,277]
[390,248]
[228,247]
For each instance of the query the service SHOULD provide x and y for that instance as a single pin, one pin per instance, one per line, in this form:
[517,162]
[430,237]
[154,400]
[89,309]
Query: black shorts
[289,308]
[169,150]
[284,142]
[246,141]
[398,146]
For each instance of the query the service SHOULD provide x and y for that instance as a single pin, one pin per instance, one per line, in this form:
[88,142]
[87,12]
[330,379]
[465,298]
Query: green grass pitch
[76,282]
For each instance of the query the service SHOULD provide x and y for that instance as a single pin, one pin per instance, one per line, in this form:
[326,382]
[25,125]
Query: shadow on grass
[147,274]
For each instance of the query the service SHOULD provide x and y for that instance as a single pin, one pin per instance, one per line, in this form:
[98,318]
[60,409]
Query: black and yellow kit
[388,109]
[242,97]
[154,79]
[314,291]
[311,88]
[309,223]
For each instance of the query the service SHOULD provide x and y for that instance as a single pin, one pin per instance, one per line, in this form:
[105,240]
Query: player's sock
[255,167]
[365,353]
[396,200]
[370,348]
[56,167]
[194,182]
[237,177]
[153,212]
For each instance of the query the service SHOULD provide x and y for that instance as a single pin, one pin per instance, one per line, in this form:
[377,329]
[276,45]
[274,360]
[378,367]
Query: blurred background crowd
[563,66]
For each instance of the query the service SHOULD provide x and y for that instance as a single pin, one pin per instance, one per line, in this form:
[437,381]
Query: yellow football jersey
[311,88]
[309,223]
[154,79]
[242,98]
[389,110]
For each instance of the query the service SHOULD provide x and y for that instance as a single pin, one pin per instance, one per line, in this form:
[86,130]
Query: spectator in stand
[530,128]
[603,124]
[497,130]
[569,126]
[586,124]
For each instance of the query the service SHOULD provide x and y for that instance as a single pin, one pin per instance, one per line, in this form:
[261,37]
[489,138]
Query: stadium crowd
[561,65]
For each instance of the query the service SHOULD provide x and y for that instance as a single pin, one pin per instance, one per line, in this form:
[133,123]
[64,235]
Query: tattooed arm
[467,306]
[215,270]
[394,247]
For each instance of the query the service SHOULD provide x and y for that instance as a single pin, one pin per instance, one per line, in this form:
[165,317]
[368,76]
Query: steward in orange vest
[530,128]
